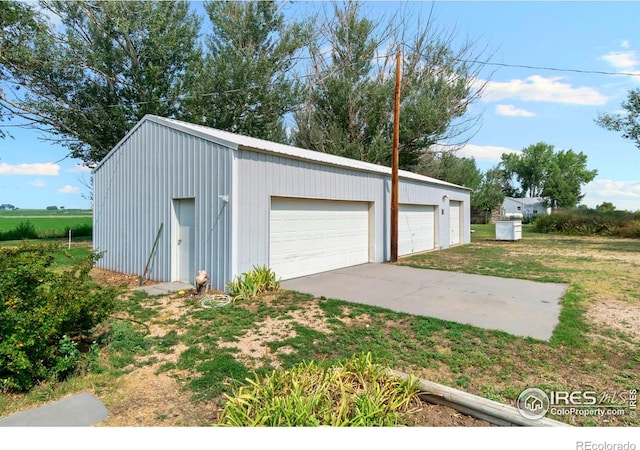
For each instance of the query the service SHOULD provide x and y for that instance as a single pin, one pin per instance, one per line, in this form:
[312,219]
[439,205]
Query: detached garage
[223,203]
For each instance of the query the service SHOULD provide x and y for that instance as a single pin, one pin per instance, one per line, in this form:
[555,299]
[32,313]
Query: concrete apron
[164,288]
[519,307]
[80,410]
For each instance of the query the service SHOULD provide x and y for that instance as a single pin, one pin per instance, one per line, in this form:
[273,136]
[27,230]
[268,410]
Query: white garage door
[454,222]
[312,236]
[416,229]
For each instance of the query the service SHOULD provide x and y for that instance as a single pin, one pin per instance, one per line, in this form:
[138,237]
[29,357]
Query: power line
[557,69]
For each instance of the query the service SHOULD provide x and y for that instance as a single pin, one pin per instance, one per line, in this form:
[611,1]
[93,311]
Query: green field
[46,223]
[38,213]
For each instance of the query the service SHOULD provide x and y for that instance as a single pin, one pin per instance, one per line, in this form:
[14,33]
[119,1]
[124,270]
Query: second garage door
[416,229]
[311,236]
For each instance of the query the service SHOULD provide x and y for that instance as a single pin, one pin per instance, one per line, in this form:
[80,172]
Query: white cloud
[626,61]
[510,110]
[42,169]
[68,189]
[625,43]
[484,152]
[38,183]
[623,194]
[79,168]
[537,88]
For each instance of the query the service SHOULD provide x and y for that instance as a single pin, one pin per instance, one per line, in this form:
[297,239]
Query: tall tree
[109,64]
[568,172]
[245,84]
[19,23]
[491,193]
[628,123]
[530,168]
[349,109]
[556,177]
[453,169]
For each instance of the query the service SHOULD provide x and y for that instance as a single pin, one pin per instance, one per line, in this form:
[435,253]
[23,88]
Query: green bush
[43,312]
[354,392]
[258,281]
[590,222]
[24,230]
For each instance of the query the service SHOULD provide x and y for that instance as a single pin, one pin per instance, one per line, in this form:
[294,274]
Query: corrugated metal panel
[134,191]
[233,140]
[262,176]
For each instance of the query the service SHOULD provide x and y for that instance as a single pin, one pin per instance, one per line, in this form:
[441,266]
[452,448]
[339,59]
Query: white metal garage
[310,236]
[416,229]
[225,203]
[454,223]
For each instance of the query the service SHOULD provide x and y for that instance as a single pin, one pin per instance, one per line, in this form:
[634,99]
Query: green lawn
[47,225]
[208,350]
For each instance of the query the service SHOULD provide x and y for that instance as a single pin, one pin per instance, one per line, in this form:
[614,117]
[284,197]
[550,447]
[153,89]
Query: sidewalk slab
[164,288]
[80,410]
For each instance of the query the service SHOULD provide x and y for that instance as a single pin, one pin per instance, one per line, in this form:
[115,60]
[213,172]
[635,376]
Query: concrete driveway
[519,307]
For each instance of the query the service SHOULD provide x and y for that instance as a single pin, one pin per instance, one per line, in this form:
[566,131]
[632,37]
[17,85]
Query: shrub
[354,392]
[590,222]
[258,281]
[43,312]
[24,230]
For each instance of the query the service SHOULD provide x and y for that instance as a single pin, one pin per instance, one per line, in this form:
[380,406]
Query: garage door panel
[311,236]
[416,228]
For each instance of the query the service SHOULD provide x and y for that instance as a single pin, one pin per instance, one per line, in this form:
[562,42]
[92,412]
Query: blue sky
[520,107]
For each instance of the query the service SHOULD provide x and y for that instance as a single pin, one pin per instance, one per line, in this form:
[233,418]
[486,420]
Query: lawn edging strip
[472,405]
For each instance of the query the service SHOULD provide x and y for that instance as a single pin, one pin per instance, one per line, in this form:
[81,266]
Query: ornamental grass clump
[255,282]
[354,392]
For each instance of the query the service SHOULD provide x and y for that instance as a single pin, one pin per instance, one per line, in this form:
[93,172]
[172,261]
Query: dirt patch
[254,346]
[110,278]
[620,316]
[148,399]
[428,415]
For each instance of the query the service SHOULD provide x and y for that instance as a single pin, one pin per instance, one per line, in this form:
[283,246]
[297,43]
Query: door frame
[460,214]
[370,218]
[175,230]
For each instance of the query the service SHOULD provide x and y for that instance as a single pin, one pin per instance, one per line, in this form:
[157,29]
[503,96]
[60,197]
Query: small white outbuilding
[223,203]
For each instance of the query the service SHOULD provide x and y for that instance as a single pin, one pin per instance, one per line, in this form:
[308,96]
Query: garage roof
[240,142]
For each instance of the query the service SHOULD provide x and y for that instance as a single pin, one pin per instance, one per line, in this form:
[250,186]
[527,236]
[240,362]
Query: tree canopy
[111,62]
[628,123]
[244,82]
[557,177]
[350,90]
[87,81]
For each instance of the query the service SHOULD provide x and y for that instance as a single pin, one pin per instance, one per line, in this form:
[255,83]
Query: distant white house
[529,207]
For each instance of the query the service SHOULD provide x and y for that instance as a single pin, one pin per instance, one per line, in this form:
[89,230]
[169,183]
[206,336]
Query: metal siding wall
[262,176]
[134,190]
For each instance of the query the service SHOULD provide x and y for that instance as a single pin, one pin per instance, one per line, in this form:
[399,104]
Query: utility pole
[394,163]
